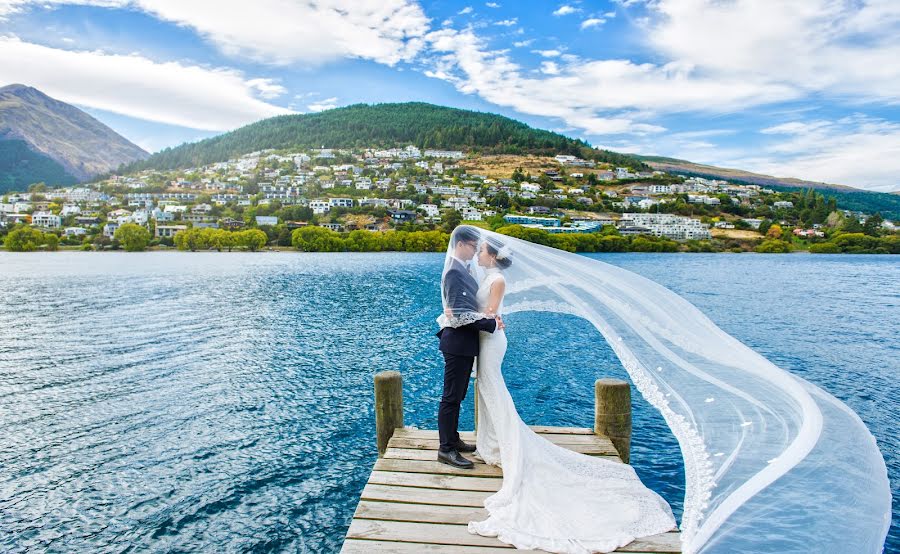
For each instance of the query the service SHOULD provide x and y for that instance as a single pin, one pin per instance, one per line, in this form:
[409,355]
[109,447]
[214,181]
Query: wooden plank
[428,481]
[398,511]
[468,436]
[599,446]
[428,533]
[431,466]
[567,430]
[434,533]
[417,495]
[357,546]
[431,455]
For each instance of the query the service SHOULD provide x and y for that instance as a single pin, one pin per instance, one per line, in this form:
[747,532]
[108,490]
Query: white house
[45,219]
[340,202]
[530,187]
[431,210]
[319,207]
[266,220]
[168,231]
[470,214]
[75,231]
[69,209]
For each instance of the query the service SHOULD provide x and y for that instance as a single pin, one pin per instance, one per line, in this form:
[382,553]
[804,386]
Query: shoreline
[288,249]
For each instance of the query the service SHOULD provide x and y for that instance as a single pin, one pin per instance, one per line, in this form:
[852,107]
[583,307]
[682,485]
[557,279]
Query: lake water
[173,402]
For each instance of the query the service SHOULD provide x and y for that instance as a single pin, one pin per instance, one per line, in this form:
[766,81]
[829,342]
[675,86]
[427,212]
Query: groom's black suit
[459,346]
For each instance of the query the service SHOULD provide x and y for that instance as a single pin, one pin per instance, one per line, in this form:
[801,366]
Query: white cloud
[549,68]
[464,11]
[565,10]
[281,33]
[600,97]
[507,22]
[592,22]
[267,88]
[492,5]
[523,43]
[327,104]
[472,69]
[856,150]
[844,49]
[171,92]
[547,53]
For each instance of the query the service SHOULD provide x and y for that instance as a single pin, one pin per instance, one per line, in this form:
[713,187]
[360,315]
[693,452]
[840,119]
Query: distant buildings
[531,220]
[666,225]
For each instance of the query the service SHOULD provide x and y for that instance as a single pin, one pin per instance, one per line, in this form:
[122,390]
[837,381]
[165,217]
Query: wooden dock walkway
[412,503]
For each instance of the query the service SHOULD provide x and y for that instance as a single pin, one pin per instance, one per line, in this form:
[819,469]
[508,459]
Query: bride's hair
[499,251]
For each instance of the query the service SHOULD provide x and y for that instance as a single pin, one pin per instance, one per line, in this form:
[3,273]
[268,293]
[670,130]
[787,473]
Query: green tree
[133,237]
[824,248]
[25,239]
[317,239]
[773,246]
[252,239]
[872,226]
[452,219]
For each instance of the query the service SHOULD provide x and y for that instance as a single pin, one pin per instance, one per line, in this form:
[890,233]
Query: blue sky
[806,89]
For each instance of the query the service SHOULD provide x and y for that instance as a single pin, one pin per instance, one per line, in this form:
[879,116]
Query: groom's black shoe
[464,446]
[453,458]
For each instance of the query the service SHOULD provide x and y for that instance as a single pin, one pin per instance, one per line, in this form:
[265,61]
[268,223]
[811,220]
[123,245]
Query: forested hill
[383,125]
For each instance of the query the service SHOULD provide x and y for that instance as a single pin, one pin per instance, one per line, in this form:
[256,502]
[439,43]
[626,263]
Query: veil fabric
[772,462]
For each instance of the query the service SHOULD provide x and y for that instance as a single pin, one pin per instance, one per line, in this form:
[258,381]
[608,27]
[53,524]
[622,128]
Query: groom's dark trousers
[459,346]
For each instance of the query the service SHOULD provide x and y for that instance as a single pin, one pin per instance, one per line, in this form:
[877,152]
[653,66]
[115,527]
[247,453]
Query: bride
[551,499]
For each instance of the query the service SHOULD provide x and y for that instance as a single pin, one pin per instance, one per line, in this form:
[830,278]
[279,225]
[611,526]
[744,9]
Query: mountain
[383,125]
[848,198]
[57,132]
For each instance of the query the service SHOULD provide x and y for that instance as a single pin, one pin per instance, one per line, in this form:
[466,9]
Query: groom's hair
[465,234]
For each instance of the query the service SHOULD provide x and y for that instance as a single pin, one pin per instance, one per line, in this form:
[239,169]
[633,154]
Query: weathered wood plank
[431,466]
[443,482]
[434,533]
[567,430]
[417,495]
[550,434]
[357,546]
[598,446]
[419,513]
[431,455]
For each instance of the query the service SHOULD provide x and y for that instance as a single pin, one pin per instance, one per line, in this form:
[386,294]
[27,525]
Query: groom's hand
[500,324]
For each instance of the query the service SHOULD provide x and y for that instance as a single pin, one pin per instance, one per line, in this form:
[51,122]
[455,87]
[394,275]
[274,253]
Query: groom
[459,345]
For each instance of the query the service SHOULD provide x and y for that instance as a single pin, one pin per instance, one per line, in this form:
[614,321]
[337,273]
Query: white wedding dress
[552,499]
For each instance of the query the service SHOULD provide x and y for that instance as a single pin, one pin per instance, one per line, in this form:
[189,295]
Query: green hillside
[20,167]
[383,125]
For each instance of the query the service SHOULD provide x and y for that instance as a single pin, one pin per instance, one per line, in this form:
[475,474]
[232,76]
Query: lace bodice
[491,274]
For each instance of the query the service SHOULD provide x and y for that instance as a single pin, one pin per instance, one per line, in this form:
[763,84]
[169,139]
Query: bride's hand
[500,324]
[448,313]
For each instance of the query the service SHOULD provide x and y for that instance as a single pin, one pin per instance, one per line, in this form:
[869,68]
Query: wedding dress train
[552,499]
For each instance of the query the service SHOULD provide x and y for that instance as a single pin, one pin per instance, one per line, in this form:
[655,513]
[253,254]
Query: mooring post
[388,407]
[612,414]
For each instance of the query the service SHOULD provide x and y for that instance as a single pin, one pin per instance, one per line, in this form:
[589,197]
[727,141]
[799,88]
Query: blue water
[173,402]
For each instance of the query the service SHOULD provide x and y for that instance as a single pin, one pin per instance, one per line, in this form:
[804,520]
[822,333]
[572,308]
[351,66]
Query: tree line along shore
[136,238]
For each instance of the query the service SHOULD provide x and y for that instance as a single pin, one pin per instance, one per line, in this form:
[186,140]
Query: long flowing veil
[773,463]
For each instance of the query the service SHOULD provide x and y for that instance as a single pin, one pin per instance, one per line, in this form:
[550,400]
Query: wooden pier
[413,503]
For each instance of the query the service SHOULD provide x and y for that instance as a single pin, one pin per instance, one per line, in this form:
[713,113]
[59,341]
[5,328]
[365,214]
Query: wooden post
[388,407]
[612,414]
